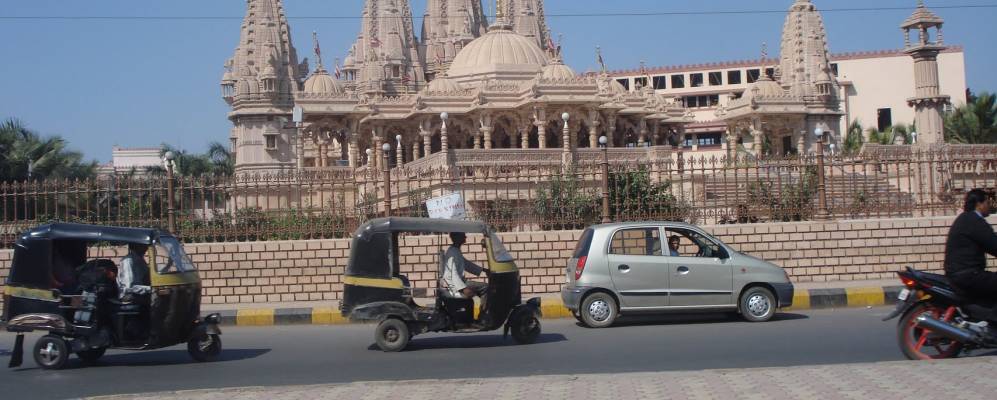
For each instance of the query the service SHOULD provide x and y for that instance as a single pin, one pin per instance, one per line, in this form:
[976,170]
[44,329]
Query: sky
[140,82]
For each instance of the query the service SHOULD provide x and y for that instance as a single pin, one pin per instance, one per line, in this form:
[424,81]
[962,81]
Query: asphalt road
[293,355]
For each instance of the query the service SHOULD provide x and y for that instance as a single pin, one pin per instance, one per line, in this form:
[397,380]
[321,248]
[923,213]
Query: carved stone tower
[447,27]
[928,102]
[527,18]
[259,83]
[385,58]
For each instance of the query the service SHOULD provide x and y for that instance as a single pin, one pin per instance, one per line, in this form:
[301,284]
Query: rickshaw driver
[453,274]
[133,274]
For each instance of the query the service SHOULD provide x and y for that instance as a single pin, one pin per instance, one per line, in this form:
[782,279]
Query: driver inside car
[453,273]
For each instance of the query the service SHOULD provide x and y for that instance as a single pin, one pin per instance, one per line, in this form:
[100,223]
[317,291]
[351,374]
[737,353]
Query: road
[297,355]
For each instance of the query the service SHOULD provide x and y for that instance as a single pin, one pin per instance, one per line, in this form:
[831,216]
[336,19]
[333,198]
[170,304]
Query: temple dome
[764,87]
[444,84]
[558,71]
[499,47]
[320,82]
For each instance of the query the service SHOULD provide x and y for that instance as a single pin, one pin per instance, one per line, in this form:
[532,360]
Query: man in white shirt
[454,266]
[133,273]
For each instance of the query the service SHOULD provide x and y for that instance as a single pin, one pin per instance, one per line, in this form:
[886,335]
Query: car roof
[71,231]
[429,225]
[617,225]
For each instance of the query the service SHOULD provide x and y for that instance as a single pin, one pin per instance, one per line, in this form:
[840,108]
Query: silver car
[626,268]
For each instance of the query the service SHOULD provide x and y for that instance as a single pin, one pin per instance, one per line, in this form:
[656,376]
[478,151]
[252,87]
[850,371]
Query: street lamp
[603,141]
[387,180]
[168,162]
[821,192]
[444,142]
[913,137]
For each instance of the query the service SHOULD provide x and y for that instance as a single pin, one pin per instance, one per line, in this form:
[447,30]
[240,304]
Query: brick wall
[810,251]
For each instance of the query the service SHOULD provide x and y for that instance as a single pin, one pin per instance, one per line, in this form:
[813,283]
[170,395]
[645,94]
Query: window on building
[687,141]
[884,118]
[770,72]
[271,142]
[733,77]
[640,82]
[309,162]
[660,82]
[709,139]
[696,80]
[625,82]
[714,100]
[716,78]
[691,102]
[753,75]
[834,69]
[736,95]
[678,81]
[396,71]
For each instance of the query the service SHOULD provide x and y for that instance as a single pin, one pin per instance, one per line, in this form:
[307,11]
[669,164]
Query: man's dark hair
[455,235]
[673,239]
[975,197]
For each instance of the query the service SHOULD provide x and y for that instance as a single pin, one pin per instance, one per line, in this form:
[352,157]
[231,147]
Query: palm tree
[854,139]
[25,154]
[217,161]
[973,123]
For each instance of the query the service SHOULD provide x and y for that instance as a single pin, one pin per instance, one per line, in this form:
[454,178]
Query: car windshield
[171,258]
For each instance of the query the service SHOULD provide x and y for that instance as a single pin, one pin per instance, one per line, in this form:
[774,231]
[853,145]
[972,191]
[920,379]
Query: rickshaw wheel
[392,335]
[92,355]
[51,352]
[526,329]
[205,347]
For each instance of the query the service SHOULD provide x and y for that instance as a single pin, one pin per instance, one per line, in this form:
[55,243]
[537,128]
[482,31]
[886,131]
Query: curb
[811,299]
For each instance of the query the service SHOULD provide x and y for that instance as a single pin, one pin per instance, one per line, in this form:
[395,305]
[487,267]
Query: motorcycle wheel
[921,344]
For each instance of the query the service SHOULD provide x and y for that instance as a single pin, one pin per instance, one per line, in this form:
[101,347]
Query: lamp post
[566,139]
[168,162]
[603,141]
[821,192]
[387,180]
[444,142]
[913,137]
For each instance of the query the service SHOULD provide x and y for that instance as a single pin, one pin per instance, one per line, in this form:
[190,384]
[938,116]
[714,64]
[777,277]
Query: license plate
[904,294]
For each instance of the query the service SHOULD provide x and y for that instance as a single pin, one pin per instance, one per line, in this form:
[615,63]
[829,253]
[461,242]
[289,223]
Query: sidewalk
[969,378]
[809,295]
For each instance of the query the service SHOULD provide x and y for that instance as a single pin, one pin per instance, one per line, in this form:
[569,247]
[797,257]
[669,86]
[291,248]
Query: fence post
[821,185]
[171,212]
[387,179]
[605,179]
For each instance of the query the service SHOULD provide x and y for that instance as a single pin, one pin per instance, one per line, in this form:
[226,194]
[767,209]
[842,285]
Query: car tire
[90,356]
[599,310]
[392,335]
[578,316]
[51,352]
[757,304]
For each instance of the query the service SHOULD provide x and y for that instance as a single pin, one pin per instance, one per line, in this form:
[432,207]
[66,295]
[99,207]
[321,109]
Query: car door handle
[624,268]
[683,270]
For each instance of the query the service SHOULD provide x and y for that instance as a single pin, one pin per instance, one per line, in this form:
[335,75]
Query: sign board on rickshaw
[450,206]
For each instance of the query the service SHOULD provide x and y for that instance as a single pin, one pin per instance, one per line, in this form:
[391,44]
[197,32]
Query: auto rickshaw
[54,288]
[376,291]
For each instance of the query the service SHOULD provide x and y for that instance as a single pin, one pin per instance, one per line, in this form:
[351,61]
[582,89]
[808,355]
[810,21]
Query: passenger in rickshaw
[454,266]
[133,274]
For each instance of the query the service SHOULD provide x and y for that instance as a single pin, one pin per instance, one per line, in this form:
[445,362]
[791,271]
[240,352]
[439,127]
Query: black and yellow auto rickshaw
[55,286]
[376,291]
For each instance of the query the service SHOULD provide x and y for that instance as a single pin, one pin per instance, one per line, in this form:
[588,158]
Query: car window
[171,258]
[636,242]
[688,243]
[584,242]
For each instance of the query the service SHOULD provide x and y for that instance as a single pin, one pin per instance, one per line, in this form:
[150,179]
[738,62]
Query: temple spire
[265,59]
[448,26]
[385,60]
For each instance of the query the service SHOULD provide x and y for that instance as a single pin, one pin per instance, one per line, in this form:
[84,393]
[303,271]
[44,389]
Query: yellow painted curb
[801,300]
[328,316]
[554,309]
[865,296]
[260,317]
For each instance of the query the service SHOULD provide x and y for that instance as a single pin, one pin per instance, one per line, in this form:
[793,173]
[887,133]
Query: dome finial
[318,51]
[501,20]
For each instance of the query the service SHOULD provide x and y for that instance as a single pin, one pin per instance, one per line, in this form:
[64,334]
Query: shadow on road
[690,319]
[153,358]
[471,342]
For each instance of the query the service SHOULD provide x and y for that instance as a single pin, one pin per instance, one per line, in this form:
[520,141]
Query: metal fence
[548,194]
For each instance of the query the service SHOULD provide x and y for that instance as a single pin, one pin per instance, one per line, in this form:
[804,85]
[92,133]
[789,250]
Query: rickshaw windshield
[171,258]
[498,249]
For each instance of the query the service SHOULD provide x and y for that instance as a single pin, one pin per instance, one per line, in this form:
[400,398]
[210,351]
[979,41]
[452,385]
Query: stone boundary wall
[260,272]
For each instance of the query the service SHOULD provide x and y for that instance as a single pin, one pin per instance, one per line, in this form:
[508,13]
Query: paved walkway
[969,378]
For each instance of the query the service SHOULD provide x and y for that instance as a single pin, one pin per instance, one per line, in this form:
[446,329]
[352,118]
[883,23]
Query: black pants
[980,286]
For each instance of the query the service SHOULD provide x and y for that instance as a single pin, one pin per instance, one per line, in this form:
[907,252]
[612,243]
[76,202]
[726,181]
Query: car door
[700,272]
[637,267]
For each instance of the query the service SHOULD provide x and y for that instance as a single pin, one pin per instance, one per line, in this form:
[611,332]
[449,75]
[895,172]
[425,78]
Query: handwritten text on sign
[446,207]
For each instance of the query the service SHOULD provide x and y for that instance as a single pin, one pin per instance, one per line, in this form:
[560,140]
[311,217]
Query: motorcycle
[937,322]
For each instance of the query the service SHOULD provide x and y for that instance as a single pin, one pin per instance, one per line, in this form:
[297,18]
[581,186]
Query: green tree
[973,123]
[855,138]
[564,204]
[217,161]
[634,196]
[24,153]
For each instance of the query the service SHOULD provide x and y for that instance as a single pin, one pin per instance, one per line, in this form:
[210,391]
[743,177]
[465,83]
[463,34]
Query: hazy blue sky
[144,82]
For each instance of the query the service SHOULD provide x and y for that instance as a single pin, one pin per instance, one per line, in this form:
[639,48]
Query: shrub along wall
[810,251]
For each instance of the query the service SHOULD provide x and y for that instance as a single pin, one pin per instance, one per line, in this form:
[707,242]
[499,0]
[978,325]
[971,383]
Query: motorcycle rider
[970,239]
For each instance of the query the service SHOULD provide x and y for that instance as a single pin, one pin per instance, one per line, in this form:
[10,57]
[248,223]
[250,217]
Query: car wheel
[598,310]
[757,304]
[51,352]
[392,335]
[91,356]
[205,347]
[578,316]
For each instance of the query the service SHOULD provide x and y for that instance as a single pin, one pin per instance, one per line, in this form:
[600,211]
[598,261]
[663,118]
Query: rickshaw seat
[121,306]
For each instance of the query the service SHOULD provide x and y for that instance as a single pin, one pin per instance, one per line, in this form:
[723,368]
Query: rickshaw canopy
[92,233]
[374,250]
[425,225]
